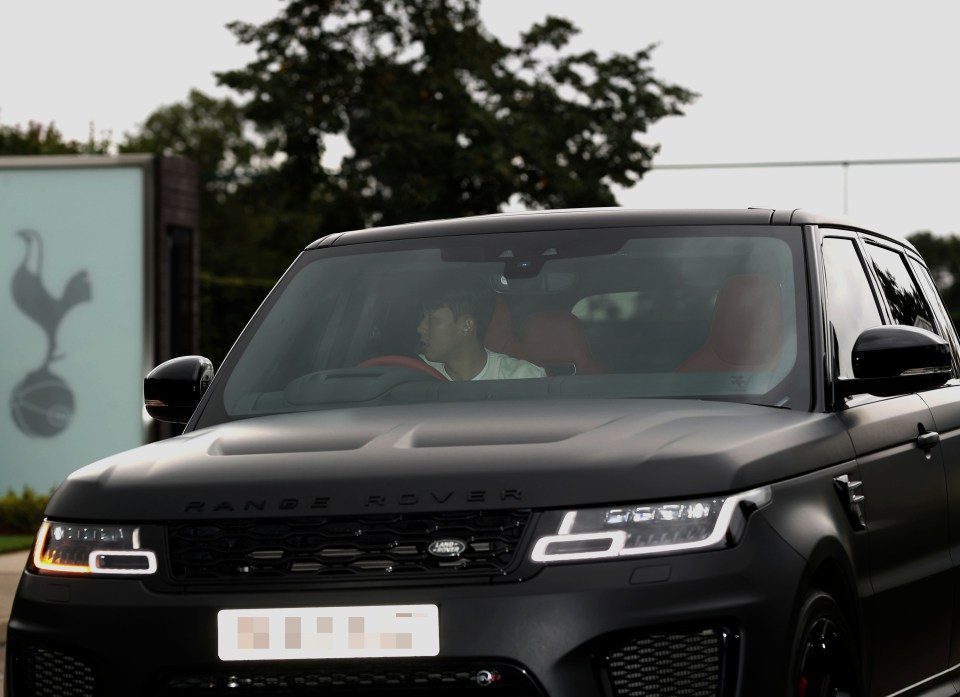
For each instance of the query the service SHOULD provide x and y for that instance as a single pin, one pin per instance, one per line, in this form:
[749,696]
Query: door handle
[928,440]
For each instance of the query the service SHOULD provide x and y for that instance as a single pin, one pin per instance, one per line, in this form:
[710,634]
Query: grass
[15,543]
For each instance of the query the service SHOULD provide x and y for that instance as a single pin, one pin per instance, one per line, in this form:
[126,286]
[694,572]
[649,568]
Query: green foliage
[21,514]
[15,543]
[443,119]
[210,131]
[227,303]
[37,139]
[247,241]
[250,226]
[942,254]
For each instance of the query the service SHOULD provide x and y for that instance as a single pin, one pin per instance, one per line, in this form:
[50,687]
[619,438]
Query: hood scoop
[468,433]
[339,432]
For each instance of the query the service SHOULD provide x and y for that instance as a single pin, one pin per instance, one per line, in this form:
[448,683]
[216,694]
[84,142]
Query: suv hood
[467,456]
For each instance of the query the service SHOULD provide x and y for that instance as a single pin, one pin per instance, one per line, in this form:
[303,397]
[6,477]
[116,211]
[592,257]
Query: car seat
[746,332]
[556,341]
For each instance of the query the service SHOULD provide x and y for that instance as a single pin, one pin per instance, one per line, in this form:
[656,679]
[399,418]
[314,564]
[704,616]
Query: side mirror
[173,389]
[896,359]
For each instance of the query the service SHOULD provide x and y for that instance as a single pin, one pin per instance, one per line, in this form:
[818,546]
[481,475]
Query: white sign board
[73,245]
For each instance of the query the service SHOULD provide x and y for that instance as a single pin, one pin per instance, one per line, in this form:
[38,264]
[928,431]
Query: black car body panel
[433,458]
[690,492]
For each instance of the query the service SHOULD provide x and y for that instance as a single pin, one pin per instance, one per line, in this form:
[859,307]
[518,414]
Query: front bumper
[711,623]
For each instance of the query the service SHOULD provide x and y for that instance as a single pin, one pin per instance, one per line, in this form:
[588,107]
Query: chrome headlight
[72,548]
[624,531]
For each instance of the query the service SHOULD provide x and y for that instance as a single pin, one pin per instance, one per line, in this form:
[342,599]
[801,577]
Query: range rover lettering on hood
[371,501]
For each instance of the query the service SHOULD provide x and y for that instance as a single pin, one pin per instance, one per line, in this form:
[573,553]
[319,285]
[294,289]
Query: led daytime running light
[97,547]
[97,560]
[610,537]
[43,561]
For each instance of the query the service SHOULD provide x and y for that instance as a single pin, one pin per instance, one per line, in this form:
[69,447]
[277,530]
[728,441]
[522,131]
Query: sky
[843,80]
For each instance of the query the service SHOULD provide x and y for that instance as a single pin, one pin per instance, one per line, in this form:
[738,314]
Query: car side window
[851,306]
[907,304]
[944,322]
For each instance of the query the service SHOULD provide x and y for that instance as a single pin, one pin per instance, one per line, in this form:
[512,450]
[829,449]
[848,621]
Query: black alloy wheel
[826,661]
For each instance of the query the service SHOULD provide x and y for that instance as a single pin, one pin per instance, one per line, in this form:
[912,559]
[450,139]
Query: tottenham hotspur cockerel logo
[42,403]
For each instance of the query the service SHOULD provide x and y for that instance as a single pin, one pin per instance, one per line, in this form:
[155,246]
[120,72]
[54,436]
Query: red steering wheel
[402,362]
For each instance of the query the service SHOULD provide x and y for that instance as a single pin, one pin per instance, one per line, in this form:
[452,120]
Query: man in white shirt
[451,339]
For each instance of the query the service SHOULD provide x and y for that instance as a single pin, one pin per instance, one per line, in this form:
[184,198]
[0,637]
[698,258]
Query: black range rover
[562,454]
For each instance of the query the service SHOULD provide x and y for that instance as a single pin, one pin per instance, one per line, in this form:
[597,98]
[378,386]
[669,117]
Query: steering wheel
[402,362]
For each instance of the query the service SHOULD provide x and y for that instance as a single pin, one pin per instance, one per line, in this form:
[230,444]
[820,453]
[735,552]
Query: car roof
[580,218]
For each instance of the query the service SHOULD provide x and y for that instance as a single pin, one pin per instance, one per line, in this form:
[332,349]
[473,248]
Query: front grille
[669,664]
[40,672]
[378,547]
[394,680]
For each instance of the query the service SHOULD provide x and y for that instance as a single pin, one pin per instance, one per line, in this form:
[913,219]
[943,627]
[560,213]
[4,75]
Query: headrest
[747,327]
[499,336]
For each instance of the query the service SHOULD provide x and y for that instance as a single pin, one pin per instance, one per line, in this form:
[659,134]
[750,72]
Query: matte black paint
[587,453]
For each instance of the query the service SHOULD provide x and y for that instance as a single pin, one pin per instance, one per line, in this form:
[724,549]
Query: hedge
[21,514]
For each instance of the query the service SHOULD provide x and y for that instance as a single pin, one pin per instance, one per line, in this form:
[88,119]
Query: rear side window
[944,322]
[907,304]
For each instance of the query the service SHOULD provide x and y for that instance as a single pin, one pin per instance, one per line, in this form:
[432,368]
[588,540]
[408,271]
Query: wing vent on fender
[852,501]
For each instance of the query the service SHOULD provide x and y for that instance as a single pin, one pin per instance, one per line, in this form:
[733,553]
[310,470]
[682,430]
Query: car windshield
[708,312]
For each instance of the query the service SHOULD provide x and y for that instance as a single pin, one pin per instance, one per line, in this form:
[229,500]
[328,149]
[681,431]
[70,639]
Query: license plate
[328,632]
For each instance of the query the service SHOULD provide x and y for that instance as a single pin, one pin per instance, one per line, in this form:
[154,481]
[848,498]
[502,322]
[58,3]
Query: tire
[825,660]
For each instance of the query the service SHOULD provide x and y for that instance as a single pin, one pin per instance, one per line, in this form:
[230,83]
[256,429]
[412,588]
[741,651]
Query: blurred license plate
[328,632]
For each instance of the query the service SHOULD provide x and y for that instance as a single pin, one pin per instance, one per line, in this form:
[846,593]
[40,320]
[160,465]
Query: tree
[37,139]
[249,230]
[212,132]
[244,207]
[442,118]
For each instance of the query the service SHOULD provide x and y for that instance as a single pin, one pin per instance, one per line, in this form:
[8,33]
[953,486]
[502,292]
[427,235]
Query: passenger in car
[451,330]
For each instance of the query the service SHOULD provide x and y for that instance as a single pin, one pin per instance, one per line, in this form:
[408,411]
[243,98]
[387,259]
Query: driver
[451,330]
